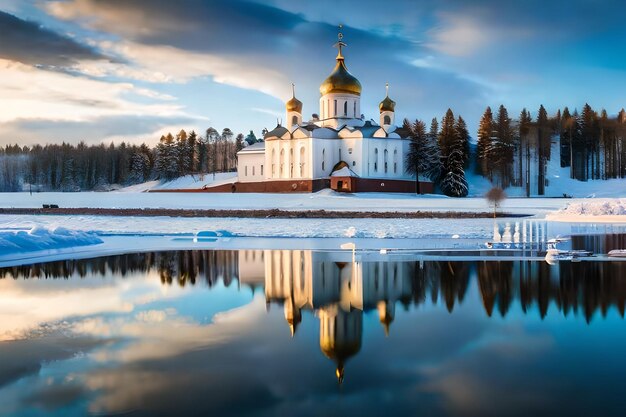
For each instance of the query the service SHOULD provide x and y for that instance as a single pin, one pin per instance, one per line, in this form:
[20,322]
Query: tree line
[67,167]
[509,151]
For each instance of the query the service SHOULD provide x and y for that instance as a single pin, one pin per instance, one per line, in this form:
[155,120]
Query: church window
[385,160]
[353,163]
[387,120]
[340,154]
[335,112]
[294,120]
[375,159]
[345,108]
[252,170]
[246,170]
[354,113]
[395,167]
[261,169]
[323,159]
[282,161]
[302,166]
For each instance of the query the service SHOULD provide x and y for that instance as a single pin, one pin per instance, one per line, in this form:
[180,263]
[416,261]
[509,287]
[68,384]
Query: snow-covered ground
[251,227]
[592,210]
[187,182]
[326,199]
[39,238]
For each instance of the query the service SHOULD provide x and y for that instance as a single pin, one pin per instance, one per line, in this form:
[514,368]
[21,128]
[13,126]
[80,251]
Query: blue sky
[99,70]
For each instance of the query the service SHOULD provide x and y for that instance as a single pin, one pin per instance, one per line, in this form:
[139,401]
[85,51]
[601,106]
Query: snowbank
[344,172]
[41,238]
[592,210]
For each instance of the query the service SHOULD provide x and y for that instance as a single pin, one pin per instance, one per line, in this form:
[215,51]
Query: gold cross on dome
[340,44]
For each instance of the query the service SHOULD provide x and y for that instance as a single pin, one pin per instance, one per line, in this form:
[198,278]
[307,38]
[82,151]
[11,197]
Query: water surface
[311,333]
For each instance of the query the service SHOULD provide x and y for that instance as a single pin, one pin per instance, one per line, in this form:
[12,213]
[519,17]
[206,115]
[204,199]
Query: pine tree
[501,152]
[251,138]
[447,134]
[192,152]
[543,148]
[463,138]
[239,142]
[454,183]
[166,163]
[525,121]
[413,162]
[485,135]
[453,148]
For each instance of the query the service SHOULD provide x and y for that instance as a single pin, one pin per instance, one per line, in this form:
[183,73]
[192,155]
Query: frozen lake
[312,332]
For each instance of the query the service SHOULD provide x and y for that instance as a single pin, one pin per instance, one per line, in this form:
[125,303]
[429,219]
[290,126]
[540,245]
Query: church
[336,148]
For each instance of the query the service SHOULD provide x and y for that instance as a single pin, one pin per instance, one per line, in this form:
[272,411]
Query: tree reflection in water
[581,287]
[340,292]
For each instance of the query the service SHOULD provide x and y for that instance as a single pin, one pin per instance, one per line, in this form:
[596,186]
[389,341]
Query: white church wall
[288,159]
[384,158]
[251,167]
[340,109]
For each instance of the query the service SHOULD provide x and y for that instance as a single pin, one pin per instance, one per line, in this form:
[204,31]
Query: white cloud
[28,92]
[459,35]
[167,64]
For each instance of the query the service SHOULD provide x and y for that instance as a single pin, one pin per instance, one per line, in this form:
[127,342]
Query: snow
[187,182]
[41,238]
[596,210]
[325,199]
[253,227]
[344,172]
[559,184]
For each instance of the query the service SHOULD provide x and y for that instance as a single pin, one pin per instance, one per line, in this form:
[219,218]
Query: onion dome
[294,104]
[387,104]
[340,80]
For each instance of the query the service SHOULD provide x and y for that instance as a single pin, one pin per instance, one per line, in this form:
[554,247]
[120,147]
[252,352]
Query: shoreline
[259,213]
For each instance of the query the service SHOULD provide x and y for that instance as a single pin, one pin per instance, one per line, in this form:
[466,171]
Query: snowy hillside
[187,182]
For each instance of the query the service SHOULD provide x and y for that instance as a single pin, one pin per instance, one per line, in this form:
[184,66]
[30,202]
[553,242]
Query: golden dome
[294,104]
[341,81]
[387,104]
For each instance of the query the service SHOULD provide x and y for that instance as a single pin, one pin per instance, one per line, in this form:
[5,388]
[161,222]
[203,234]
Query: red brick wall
[368,185]
[354,184]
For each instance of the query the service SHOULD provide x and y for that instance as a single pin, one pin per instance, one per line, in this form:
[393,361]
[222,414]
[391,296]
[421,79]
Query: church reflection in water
[339,289]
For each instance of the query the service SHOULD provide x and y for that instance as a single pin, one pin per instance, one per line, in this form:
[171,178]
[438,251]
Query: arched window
[302,162]
[354,113]
[323,159]
[395,161]
[385,160]
[375,159]
[253,170]
[273,162]
[387,120]
[294,120]
[340,154]
[291,163]
[246,170]
[345,108]
[282,161]
[335,111]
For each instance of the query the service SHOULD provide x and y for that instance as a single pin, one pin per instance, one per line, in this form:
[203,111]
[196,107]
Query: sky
[131,70]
